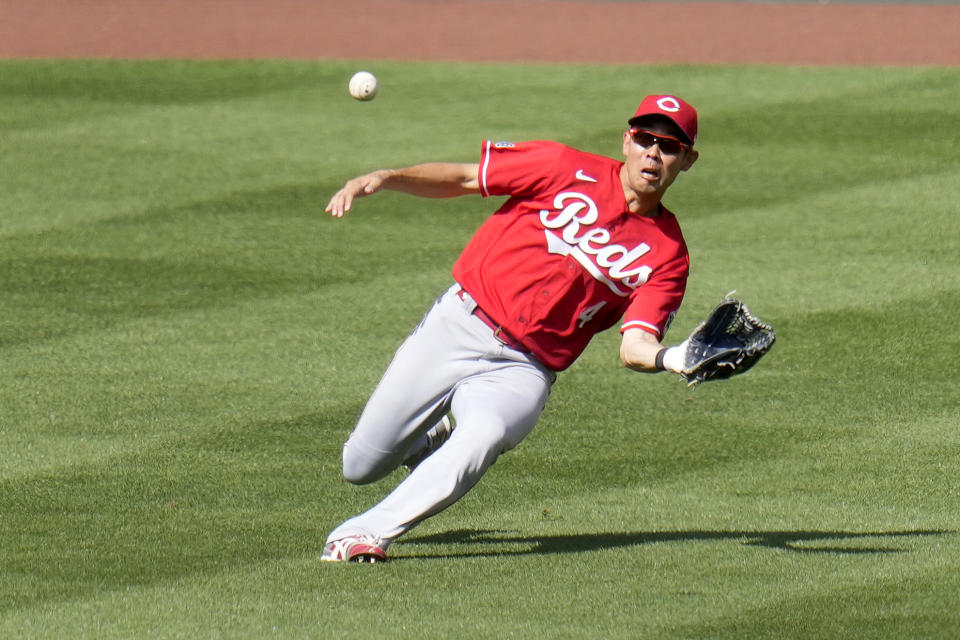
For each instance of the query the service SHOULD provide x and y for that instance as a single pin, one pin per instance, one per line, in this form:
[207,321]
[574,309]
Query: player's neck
[649,207]
[642,201]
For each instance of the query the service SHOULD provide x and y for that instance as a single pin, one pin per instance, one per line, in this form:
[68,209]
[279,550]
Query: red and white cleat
[354,549]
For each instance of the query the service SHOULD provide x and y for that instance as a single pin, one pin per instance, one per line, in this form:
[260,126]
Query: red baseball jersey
[563,258]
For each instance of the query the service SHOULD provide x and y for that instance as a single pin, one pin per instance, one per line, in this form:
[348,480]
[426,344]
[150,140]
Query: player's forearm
[638,351]
[433,180]
[651,357]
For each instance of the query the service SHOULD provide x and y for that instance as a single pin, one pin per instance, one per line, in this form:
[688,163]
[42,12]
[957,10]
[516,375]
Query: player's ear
[627,141]
[691,157]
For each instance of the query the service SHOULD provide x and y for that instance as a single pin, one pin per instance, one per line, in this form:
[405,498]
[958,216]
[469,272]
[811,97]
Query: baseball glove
[727,343]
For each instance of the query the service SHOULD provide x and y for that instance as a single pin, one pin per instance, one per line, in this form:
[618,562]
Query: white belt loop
[468,302]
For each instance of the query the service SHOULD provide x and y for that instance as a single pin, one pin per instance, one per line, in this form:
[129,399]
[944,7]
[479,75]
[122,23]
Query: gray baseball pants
[451,363]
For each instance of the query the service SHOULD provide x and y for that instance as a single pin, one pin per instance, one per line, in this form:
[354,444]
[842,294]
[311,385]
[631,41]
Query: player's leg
[494,410]
[412,396]
[432,440]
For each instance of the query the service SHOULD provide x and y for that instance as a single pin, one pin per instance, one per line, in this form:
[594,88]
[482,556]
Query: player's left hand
[729,342]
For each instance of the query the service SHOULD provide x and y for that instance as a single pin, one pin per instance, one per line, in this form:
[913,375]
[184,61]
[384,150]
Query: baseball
[364,86]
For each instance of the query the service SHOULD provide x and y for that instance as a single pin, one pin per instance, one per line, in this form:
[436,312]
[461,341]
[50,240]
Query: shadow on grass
[470,544]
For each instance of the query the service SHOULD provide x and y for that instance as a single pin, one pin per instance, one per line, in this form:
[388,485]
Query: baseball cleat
[354,549]
[437,435]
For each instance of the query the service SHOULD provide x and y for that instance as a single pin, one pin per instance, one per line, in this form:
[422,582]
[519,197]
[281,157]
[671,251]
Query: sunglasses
[668,145]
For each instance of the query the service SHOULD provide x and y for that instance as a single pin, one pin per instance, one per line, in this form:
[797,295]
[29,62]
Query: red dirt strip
[484,30]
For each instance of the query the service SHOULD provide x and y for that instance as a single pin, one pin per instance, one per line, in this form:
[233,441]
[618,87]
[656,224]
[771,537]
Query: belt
[498,331]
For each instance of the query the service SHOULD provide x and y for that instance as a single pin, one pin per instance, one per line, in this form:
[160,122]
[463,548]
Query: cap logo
[668,103]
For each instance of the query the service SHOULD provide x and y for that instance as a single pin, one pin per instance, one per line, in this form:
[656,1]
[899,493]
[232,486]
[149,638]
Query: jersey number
[589,313]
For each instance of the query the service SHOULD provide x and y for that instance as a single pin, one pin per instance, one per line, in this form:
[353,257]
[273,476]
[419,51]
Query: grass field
[186,340]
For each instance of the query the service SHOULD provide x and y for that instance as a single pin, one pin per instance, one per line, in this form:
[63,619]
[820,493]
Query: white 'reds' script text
[612,261]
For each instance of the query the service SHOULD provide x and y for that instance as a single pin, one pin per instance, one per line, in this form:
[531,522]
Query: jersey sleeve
[517,168]
[655,303]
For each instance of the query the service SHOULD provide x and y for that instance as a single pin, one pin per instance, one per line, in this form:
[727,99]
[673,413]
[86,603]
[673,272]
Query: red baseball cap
[681,113]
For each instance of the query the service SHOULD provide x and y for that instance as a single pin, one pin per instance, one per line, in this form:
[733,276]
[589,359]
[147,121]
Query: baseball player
[583,242]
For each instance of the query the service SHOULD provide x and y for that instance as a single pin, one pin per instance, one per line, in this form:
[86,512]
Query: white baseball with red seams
[364,86]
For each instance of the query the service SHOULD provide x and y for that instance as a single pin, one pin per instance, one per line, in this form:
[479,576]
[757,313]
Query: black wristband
[658,361]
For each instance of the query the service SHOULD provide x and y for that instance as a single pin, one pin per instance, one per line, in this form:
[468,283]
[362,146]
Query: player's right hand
[342,200]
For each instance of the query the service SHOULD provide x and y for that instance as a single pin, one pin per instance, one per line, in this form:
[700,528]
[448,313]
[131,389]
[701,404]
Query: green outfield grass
[186,339]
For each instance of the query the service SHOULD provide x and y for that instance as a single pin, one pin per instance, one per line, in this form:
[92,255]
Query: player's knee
[501,436]
[492,440]
[355,475]
[360,467]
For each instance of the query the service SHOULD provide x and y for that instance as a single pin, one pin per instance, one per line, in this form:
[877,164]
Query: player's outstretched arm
[729,342]
[432,180]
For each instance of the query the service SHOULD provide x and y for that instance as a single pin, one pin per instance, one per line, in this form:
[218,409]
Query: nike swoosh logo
[582,176]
